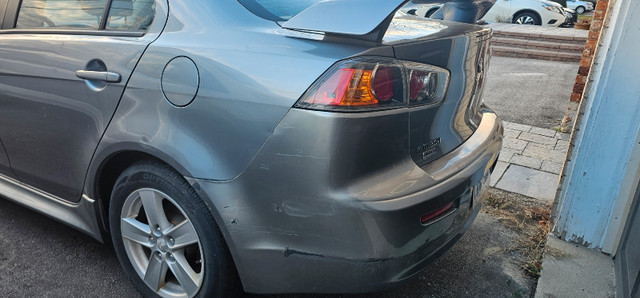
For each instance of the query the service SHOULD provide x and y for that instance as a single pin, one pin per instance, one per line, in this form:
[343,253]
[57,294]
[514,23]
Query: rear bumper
[303,219]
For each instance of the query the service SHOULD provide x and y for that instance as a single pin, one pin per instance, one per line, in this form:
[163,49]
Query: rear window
[277,10]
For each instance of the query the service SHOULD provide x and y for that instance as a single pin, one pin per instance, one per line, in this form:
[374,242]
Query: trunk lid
[463,49]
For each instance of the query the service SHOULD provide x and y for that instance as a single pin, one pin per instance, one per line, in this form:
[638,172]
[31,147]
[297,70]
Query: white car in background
[528,12]
[580,6]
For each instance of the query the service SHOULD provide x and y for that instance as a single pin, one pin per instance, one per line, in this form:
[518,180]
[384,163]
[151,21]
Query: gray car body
[284,197]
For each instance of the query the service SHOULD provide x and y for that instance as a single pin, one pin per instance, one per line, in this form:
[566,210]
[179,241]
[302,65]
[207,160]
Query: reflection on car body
[228,145]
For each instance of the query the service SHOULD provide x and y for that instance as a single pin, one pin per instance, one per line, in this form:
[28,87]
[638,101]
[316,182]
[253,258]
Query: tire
[527,18]
[580,9]
[165,238]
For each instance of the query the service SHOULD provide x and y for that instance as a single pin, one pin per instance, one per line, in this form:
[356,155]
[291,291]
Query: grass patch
[585,17]
[527,217]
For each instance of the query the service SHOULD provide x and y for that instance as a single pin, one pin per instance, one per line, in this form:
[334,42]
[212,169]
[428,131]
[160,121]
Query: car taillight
[375,83]
[427,84]
[357,84]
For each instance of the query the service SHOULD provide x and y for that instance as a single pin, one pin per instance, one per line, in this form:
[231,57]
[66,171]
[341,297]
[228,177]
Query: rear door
[63,68]
[5,167]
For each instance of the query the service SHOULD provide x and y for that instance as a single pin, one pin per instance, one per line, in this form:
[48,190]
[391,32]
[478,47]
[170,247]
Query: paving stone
[536,138]
[517,126]
[562,136]
[506,154]
[527,161]
[501,166]
[551,167]
[544,153]
[562,145]
[529,182]
[515,144]
[511,133]
[543,131]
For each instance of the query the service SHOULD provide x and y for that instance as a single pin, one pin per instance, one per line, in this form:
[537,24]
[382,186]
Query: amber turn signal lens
[346,87]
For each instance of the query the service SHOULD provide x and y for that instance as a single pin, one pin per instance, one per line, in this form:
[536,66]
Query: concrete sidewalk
[570,270]
[530,161]
[529,164]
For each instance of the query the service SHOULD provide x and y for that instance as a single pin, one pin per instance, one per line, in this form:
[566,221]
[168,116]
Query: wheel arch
[107,167]
[513,17]
[111,162]
[105,172]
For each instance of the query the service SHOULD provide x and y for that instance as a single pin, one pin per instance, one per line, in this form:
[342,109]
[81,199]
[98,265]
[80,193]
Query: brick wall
[589,49]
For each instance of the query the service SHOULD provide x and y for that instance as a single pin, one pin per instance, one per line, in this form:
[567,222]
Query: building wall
[601,172]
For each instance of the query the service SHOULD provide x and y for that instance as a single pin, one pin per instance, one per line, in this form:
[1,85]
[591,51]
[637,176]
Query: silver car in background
[270,146]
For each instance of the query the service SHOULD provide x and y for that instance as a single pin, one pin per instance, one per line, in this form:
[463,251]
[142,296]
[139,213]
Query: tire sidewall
[140,176]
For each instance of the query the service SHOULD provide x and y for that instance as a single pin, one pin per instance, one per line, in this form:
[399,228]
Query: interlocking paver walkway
[530,161]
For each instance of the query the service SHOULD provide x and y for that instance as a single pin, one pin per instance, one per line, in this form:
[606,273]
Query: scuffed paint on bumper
[307,217]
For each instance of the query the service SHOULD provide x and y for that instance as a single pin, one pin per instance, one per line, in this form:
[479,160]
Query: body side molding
[81,215]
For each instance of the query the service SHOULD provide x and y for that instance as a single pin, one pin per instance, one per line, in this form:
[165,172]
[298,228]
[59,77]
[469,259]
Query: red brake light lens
[383,83]
[427,84]
[375,83]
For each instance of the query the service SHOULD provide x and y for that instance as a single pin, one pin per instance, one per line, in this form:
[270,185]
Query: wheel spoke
[183,234]
[188,279]
[153,209]
[156,273]
[135,231]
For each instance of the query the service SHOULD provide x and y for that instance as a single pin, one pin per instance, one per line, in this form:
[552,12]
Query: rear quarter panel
[250,74]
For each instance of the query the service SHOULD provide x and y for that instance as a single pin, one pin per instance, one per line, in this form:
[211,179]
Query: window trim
[3,9]
[11,15]
[105,15]
[92,32]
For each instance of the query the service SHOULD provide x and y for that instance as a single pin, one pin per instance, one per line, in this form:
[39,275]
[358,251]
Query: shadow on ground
[40,257]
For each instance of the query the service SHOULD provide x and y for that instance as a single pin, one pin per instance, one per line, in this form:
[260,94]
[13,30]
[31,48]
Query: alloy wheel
[525,20]
[162,244]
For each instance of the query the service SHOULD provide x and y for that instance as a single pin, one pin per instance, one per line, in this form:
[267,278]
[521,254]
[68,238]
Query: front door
[64,65]
[627,258]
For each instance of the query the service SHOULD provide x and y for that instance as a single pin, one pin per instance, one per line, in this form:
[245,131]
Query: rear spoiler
[369,19]
[362,19]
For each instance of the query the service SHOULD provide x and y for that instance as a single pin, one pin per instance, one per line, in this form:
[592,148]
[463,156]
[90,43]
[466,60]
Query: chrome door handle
[105,76]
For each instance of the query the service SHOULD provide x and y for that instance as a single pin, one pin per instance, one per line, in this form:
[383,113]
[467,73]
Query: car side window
[123,15]
[65,14]
[130,15]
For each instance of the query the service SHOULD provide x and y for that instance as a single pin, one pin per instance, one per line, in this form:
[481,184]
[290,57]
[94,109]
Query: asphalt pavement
[40,257]
[528,91]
